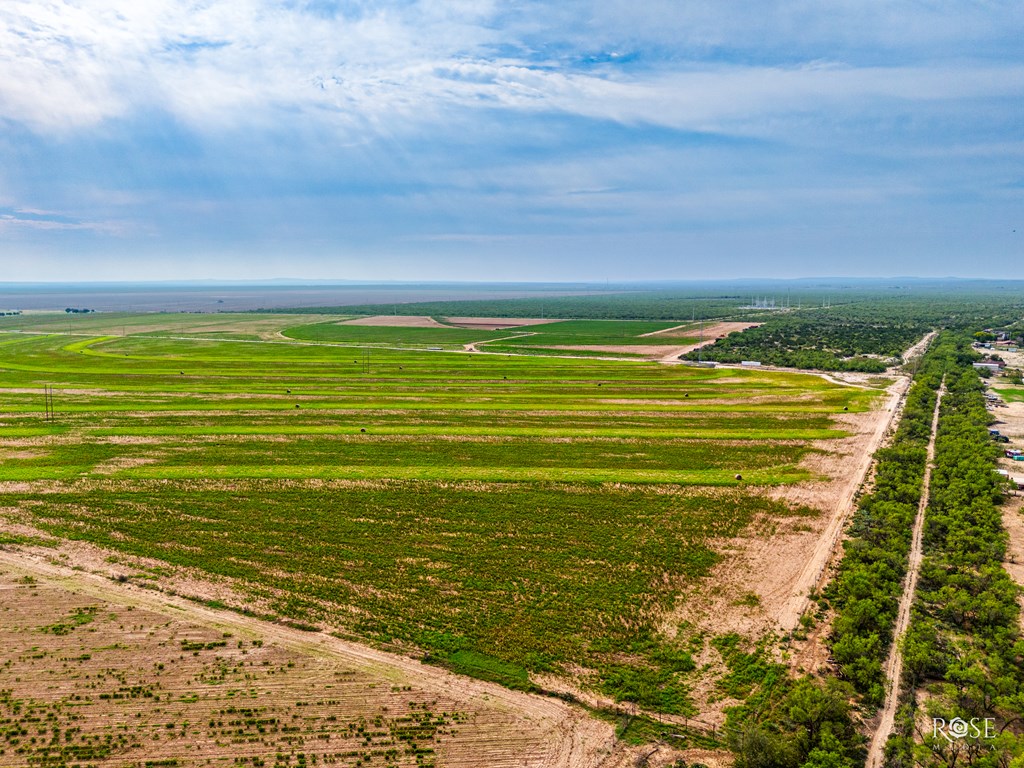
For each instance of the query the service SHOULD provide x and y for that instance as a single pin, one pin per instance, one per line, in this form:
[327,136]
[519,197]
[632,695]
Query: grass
[532,574]
[372,334]
[506,515]
[565,332]
[1010,395]
[598,332]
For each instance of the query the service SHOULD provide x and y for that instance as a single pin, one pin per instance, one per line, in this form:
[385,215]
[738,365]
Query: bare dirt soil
[666,353]
[396,321]
[712,331]
[920,347]
[846,463]
[761,586]
[1013,521]
[1009,420]
[151,675]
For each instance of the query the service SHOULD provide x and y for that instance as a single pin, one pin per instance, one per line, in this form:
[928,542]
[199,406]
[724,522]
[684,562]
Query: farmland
[97,673]
[520,519]
[594,336]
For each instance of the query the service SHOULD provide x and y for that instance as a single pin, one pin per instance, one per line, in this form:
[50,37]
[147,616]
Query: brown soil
[1013,521]
[847,464]
[396,321]
[666,353]
[131,652]
[712,331]
[1010,422]
[920,347]
[762,585]
[328,684]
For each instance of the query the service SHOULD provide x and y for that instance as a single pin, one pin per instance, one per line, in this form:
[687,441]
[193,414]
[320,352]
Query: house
[993,366]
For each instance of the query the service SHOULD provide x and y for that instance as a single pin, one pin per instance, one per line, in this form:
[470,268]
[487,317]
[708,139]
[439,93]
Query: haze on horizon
[476,140]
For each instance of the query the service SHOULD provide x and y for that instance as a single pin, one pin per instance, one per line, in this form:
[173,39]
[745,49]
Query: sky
[518,140]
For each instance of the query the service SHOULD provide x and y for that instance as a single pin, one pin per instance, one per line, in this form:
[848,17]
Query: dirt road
[814,570]
[894,664]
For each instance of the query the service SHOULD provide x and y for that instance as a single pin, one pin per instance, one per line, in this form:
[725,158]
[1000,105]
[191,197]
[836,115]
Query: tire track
[894,664]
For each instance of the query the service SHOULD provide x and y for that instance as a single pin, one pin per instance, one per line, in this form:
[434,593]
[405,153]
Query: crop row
[530,575]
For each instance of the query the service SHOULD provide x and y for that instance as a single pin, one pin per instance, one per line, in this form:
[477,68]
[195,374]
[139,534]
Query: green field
[503,513]
[524,339]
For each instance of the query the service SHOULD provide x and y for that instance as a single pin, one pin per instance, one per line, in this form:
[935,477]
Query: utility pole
[47,402]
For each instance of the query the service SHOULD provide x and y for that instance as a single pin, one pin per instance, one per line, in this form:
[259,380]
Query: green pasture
[556,333]
[606,332]
[535,575]
[1010,394]
[500,512]
[372,334]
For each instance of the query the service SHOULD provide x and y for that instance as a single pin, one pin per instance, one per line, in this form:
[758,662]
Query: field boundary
[816,569]
[894,663]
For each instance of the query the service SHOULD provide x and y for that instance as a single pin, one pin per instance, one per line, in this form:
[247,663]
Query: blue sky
[519,140]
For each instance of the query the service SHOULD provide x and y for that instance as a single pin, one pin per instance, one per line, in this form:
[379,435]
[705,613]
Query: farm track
[894,663]
[570,738]
[815,569]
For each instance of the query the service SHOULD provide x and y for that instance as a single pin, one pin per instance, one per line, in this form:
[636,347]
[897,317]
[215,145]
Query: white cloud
[65,66]
[15,220]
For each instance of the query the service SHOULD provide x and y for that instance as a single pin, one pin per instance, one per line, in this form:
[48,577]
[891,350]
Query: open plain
[532,521]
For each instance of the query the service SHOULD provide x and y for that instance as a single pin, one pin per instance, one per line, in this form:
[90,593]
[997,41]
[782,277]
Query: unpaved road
[894,664]
[814,569]
[1013,522]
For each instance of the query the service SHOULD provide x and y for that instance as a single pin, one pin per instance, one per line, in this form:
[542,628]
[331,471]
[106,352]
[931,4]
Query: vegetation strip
[865,592]
[894,662]
[964,651]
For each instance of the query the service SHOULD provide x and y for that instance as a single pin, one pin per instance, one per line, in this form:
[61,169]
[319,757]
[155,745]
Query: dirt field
[108,643]
[129,674]
[1010,422]
[1013,521]
[711,332]
[396,321]
[763,584]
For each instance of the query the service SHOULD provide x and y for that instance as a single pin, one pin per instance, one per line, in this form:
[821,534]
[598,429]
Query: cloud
[178,128]
[13,220]
[384,67]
